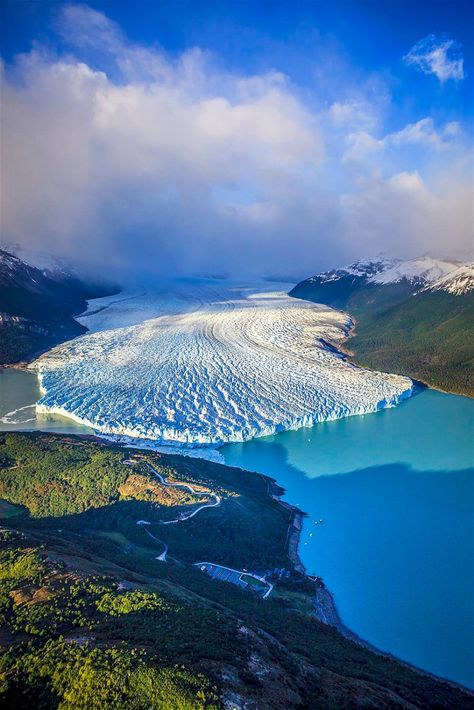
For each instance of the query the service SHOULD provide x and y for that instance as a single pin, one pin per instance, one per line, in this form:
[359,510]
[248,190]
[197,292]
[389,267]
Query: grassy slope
[173,638]
[428,336]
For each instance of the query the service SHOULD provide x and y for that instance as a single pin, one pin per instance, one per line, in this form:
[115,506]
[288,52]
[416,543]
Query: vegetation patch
[130,603]
[90,619]
[427,335]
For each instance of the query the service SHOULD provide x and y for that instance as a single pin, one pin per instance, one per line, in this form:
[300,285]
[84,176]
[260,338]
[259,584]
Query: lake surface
[396,492]
[19,390]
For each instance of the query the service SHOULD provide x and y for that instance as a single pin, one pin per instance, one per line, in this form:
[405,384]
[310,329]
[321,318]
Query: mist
[126,161]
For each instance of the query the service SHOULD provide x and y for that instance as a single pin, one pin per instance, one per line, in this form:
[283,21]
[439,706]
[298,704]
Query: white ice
[205,362]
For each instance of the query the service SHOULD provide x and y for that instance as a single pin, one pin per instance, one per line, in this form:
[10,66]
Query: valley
[38,306]
[186,368]
[236,355]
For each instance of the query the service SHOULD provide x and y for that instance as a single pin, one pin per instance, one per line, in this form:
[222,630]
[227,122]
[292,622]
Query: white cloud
[354,114]
[423,132]
[363,148]
[412,218]
[440,56]
[170,164]
[111,165]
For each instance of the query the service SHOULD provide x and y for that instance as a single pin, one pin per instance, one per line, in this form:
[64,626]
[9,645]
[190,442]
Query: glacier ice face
[208,362]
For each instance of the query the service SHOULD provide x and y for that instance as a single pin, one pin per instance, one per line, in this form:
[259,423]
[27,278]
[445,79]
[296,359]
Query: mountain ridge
[37,306]
[412,317]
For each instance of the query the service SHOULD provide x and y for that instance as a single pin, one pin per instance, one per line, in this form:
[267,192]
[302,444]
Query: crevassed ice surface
[206,362]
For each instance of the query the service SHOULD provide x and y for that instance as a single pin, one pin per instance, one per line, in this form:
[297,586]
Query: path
[183,516]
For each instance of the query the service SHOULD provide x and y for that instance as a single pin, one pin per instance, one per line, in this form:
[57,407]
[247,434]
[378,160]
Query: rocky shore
[325,609]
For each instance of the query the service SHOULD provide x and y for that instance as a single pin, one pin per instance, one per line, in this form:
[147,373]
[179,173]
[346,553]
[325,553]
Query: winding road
[207,566]
[182,516]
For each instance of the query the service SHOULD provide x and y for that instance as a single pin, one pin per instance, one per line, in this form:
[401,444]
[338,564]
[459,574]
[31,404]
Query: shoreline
[352,358]
[325,609]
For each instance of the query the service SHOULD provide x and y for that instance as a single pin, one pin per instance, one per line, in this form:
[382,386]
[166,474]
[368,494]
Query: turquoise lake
[396,492]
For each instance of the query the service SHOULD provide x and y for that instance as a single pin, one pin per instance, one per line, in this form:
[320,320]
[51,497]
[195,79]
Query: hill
[413,318]
[38,307]
[91,617]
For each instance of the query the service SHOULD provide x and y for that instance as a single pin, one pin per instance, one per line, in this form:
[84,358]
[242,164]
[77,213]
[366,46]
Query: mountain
[458,282]
[412,317]
[98,611]
[37,306]
[364,277]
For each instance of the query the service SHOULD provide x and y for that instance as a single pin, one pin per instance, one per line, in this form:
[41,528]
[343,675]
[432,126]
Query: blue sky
[377,95]
[255,37]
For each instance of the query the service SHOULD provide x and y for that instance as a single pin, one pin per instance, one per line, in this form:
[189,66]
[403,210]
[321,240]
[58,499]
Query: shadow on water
[395,548]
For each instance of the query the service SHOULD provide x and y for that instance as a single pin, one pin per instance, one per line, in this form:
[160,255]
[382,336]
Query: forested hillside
[90,618]
[429,337]
[409,326]
[37,307]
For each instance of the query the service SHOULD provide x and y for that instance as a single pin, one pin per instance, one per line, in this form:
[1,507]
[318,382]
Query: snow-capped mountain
[29,292]
[420,271]
[363,269]
[458,282]
[412,316]
[382,282]
[51,266]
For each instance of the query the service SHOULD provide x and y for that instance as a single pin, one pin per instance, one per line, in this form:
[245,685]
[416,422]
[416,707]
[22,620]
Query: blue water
[19,391]
[396,492]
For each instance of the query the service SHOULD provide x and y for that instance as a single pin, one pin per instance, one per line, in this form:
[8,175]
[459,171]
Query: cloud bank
[123,158]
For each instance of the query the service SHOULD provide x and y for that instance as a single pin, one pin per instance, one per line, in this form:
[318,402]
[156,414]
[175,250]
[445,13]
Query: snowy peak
[363,269]
[422,270]
[419,272]
[15,272]
[50,266]
[457,282]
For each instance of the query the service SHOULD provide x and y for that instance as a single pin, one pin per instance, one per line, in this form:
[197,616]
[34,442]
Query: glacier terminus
[203,362]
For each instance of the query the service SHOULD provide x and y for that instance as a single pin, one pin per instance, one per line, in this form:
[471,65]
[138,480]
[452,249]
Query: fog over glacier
[204,362]
[126,159]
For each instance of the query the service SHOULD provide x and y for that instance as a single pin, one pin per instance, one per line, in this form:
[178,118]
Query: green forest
[428,336]
[89,618]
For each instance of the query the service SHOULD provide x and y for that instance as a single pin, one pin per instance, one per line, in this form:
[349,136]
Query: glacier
[203,362]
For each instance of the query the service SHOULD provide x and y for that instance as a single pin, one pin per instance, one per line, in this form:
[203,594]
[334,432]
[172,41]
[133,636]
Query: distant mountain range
[413,317]
[37,306]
